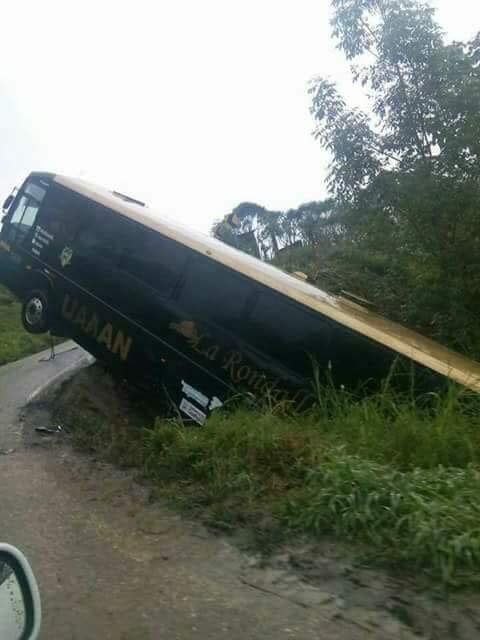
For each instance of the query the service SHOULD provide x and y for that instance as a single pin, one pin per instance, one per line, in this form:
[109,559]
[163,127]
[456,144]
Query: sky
[192,106]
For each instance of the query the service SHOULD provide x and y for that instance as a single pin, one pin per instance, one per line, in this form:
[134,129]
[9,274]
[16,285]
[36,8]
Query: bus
[178,311]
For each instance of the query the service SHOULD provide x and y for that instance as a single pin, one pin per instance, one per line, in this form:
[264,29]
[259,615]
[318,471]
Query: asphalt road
[113,566]
[21,382]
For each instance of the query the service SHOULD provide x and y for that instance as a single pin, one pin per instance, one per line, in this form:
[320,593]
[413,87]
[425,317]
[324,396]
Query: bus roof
[393,335]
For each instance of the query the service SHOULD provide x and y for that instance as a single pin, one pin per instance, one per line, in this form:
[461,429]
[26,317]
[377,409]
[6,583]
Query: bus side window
[61,214]
[155,260]
[213,293]
[289,333]
[103,237]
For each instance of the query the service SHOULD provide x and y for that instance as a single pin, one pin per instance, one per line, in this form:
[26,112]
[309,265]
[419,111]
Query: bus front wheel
[35,312]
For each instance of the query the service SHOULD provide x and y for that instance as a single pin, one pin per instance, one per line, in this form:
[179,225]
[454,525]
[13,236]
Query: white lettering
[195,394]
[192,412]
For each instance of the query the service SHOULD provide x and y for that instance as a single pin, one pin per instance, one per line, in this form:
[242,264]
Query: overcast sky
[191,105]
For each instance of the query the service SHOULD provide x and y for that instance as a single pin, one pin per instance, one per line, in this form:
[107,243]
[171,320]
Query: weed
[427,519]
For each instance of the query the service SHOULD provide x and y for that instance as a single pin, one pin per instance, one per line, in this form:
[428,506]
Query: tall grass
[393,472]
[425,519]
[401,430]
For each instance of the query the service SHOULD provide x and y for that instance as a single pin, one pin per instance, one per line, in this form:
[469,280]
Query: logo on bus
[66,257]
[238,367]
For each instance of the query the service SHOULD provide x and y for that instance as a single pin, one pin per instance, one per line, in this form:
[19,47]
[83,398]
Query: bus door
[23,213]
[16,240]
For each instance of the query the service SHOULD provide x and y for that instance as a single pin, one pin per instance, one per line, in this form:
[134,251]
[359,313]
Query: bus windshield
[23,213]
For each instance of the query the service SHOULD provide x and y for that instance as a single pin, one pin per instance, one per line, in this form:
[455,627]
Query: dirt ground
[114,564]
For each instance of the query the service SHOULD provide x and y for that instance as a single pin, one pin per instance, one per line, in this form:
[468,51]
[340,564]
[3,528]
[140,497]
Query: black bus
[171,308]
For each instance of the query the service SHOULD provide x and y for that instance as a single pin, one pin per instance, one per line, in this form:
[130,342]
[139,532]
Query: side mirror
[20,609]
[8,202]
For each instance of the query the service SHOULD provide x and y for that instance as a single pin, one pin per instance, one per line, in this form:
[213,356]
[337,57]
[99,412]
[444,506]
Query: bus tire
[35,312]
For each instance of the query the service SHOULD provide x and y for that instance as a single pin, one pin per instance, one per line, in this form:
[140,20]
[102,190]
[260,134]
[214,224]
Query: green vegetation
[15,342]
[400,477]
[402,224]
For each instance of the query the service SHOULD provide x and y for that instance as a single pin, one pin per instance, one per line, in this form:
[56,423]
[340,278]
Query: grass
[15,342]
[422,519]
[397,475]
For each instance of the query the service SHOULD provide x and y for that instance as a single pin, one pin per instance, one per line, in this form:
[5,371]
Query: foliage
[408,177]
[15,342]
[265,234]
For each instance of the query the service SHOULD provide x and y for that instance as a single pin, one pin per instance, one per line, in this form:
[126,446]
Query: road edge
[59,377]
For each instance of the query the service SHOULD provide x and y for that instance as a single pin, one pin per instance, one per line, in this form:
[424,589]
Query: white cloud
[192,106]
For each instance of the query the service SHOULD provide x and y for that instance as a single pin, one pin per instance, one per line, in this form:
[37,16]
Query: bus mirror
[8,202]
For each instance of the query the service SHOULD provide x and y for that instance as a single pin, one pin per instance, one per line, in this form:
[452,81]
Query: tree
[270,232]
[408,173]
[260,227]
[424,97]
[317,222]
[242,233]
